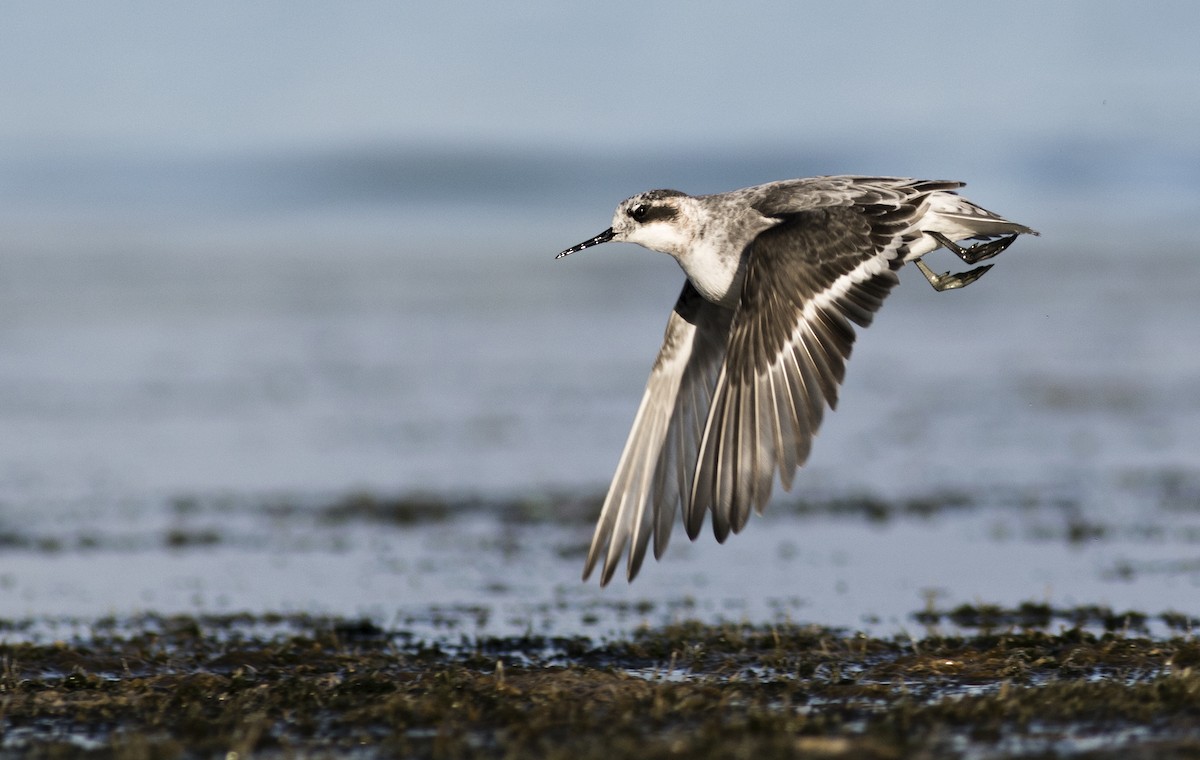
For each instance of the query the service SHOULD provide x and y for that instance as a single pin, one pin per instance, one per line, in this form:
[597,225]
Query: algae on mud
[300,685]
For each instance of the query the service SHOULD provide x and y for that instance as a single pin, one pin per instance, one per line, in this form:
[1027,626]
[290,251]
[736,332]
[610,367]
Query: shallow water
[482,571]
[174,370]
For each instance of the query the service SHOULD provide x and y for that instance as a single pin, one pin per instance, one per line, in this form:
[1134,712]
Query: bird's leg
[977,252]
[947,281]
[972,255]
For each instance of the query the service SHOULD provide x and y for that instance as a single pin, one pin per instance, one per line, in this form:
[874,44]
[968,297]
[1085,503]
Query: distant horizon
[1080,178]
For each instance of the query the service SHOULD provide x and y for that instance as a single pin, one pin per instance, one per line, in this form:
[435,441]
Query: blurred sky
[235,76]
[364,199]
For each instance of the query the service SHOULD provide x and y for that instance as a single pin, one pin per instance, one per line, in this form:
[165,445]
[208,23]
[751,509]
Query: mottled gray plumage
[756,346]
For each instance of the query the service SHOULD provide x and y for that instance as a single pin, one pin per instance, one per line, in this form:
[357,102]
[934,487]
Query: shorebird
[755,348]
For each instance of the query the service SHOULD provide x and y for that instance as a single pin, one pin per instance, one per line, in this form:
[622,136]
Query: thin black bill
[603,237]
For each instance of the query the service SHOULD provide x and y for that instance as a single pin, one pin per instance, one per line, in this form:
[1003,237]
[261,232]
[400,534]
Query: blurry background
[283,249]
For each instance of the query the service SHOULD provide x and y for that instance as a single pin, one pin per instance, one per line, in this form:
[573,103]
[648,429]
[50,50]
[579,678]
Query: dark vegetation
[284,686]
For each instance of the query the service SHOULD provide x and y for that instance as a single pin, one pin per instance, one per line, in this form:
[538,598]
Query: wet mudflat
[435,627]
[306,686]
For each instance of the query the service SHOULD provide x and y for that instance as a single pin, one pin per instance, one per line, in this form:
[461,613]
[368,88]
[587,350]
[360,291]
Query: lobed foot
[948,281]
[977,252]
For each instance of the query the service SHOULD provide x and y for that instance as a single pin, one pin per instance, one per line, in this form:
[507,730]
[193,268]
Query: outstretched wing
[808,281]
[736,396]
[656,469]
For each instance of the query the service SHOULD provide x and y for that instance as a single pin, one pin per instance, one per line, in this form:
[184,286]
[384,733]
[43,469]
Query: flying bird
[756,346]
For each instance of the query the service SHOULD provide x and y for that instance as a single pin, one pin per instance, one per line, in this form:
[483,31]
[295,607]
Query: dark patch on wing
[792,262]
[773,388]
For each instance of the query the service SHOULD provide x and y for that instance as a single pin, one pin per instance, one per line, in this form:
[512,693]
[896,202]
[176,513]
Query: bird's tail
[957,218]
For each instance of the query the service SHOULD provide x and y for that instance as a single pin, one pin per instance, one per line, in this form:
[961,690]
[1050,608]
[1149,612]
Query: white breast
[715,271]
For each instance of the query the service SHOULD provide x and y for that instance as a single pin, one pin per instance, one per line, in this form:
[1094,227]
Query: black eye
[638,212]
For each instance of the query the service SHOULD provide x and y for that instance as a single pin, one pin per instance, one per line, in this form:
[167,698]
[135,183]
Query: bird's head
[657,219]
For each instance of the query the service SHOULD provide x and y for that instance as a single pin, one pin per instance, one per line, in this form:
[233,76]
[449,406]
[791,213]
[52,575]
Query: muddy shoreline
[310,686]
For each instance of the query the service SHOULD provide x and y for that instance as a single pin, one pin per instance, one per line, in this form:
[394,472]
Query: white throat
[665,237]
